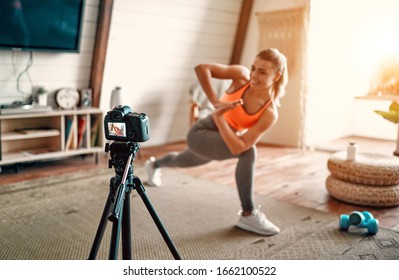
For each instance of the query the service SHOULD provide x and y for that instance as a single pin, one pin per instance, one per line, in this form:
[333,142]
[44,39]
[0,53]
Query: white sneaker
[154,174]
[257,223]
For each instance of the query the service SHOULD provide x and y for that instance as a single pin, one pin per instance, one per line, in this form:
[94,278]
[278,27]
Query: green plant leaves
[392,115]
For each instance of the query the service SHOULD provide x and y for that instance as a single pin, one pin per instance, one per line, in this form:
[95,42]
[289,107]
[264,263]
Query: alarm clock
[67,98]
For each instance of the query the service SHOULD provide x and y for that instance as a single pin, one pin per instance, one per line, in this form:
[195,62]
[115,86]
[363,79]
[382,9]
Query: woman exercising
[241,117]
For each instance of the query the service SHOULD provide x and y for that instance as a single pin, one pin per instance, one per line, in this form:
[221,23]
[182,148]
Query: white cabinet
[48,135]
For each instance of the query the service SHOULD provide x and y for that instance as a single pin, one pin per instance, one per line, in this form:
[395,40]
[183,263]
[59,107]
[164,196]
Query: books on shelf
[70,133]
[68,125]
[95,128]
[82,132]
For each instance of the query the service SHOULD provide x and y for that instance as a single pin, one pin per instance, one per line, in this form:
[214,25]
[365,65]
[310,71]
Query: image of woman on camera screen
[117,129]
[242,115]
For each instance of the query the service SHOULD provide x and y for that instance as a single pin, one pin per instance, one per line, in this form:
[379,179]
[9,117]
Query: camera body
[359,219]
[122,124]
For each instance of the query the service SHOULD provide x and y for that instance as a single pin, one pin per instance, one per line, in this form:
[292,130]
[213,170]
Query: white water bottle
[351,151]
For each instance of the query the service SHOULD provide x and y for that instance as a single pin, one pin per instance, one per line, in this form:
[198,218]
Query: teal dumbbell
[359,219]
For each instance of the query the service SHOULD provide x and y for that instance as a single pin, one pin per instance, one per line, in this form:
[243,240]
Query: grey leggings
[205,144]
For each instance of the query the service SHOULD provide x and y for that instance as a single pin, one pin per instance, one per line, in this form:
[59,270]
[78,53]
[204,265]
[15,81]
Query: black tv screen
[41,25]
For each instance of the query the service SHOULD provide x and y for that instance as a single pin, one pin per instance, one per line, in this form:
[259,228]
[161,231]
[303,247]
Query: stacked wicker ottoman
[370,180]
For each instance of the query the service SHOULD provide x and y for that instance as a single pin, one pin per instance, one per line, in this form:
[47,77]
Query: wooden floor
[283,173]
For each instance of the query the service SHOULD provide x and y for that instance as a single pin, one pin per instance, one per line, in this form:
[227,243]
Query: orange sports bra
[238,118]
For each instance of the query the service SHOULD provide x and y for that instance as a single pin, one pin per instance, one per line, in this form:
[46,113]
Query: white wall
[51,70]
[331,71]
[347,38]
[366,123]
[152,50]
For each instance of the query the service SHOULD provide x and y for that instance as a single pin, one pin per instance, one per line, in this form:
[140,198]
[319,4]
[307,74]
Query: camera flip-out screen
[117,129]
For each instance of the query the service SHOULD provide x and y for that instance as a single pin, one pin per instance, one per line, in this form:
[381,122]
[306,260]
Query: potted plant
[393,116]
[42,96]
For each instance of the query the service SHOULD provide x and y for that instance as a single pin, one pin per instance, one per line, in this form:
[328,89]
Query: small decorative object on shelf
[351,151]
[116,97]
[86,98]
[359,219]
[42,96]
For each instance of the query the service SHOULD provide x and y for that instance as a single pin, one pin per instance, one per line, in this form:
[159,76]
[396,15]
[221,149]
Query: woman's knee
[250,154]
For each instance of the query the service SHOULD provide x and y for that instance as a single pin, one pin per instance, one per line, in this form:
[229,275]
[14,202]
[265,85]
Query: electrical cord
[26,72]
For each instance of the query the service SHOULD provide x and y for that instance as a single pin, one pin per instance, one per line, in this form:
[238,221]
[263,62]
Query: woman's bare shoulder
[240,77]
[270,115]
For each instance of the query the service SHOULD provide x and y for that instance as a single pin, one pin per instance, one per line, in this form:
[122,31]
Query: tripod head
[121,158]
[120,153]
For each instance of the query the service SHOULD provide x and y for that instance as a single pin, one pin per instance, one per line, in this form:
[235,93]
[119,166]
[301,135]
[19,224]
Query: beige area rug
[56,218]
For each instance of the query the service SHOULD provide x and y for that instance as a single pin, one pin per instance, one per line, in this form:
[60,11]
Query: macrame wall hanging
[287,31]
[284,30]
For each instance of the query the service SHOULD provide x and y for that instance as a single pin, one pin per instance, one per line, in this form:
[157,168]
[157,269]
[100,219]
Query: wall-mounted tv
[41,25]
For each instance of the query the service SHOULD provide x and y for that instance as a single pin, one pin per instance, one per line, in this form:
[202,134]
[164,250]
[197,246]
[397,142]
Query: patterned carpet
[56,218]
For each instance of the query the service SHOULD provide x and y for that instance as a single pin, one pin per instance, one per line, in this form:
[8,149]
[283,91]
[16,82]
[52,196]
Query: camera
[122,124]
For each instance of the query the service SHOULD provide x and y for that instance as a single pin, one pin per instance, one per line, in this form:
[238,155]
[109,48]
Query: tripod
[117,207]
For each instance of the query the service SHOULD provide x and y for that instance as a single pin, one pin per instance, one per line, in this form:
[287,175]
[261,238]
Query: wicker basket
[367,169]
[381,196]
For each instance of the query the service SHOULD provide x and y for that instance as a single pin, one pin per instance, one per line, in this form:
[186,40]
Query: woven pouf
[380,196]
[367,169]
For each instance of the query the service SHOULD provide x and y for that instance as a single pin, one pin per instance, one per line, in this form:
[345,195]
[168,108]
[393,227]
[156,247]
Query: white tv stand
[54,134]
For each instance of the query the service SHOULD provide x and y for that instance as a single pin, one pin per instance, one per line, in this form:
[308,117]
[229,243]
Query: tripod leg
[126,229]
[101,228]
[116,229]
[140,189]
